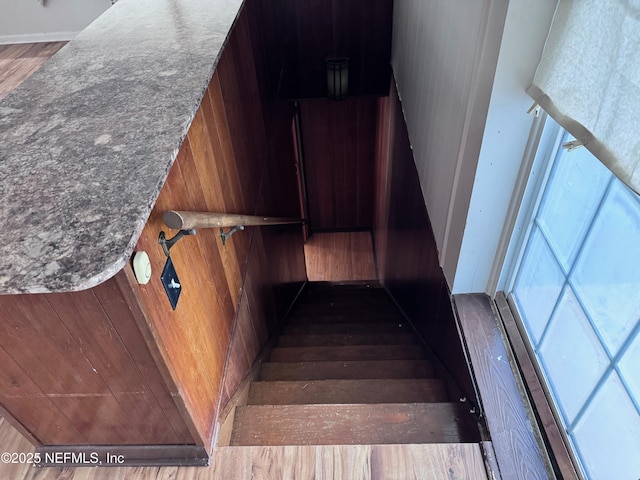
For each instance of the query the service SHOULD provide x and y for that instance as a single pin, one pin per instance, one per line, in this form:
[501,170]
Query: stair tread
[351,352]
[353,369]
[344,316]
[347,327]
[348,424]
[344,339]
[347,391]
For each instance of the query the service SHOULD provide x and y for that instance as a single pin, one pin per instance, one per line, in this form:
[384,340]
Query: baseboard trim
[37,38]
[121,455]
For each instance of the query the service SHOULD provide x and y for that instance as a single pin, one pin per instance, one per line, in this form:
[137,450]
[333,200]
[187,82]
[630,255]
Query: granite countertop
[87,142]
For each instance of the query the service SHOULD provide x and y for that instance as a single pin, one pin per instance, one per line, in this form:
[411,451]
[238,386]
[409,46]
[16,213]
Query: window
[576,289]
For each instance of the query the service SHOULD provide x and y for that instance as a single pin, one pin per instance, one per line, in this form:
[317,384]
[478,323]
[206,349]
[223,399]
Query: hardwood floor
[354,462]
[339,257]
[328,462]
[18,62]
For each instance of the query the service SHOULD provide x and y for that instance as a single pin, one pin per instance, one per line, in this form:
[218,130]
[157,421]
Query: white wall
[24,21]
[444,55]
[503,145]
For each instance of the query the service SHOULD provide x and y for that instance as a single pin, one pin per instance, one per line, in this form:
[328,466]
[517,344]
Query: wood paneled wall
[339,158]
[405,245]
[311,31]
[115,365]
[237,158]
[444,59]
[75,369]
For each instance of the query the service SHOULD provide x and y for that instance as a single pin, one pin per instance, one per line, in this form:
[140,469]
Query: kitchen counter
[86,143]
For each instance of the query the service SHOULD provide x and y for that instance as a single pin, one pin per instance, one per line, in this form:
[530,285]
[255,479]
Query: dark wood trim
[551,429]
[119,456]
[519,452]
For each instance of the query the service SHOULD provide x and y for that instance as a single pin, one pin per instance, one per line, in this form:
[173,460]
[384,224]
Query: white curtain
[589,80]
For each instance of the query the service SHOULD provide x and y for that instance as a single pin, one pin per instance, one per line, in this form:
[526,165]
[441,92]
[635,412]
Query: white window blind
[588,80]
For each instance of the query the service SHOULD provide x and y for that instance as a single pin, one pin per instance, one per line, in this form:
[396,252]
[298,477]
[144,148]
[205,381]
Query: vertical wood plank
[406,253]
[228,296]
[122,316]
[84,317]
[339,141]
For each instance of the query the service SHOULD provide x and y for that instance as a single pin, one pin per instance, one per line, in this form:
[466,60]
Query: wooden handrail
[187,220]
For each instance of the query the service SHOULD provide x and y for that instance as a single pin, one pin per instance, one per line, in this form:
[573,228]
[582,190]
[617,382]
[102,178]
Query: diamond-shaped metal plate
[171,283]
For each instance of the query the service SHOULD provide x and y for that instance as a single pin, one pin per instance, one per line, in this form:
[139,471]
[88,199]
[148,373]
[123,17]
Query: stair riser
[345,340]
[352,424]
[359,352]
[345,328]
[347,391]
[346,370]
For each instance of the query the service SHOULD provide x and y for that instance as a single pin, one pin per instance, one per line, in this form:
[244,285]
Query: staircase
[348,370]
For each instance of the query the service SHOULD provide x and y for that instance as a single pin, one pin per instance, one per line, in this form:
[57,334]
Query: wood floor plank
[321,462]
[325,462]
[18,62]
[356,352]
[12,442]
[340,256]
[353,424]
[347,391]
[272,371]
[416,462]
[350,462]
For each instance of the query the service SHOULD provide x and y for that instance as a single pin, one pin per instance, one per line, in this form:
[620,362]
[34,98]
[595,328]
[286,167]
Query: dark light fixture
[337,78]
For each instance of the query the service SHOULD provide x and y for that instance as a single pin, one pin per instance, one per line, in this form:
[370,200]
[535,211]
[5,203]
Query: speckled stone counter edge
[88,140]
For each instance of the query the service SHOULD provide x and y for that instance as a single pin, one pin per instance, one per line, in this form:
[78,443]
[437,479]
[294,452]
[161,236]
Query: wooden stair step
[347,302]
[348,391]
[355,369]
[346,327]
[345,306]
[372,294]
[346,339]
[326,287]
[342,317]
[352,307]
[373,462]
[352,424]
[354,352]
